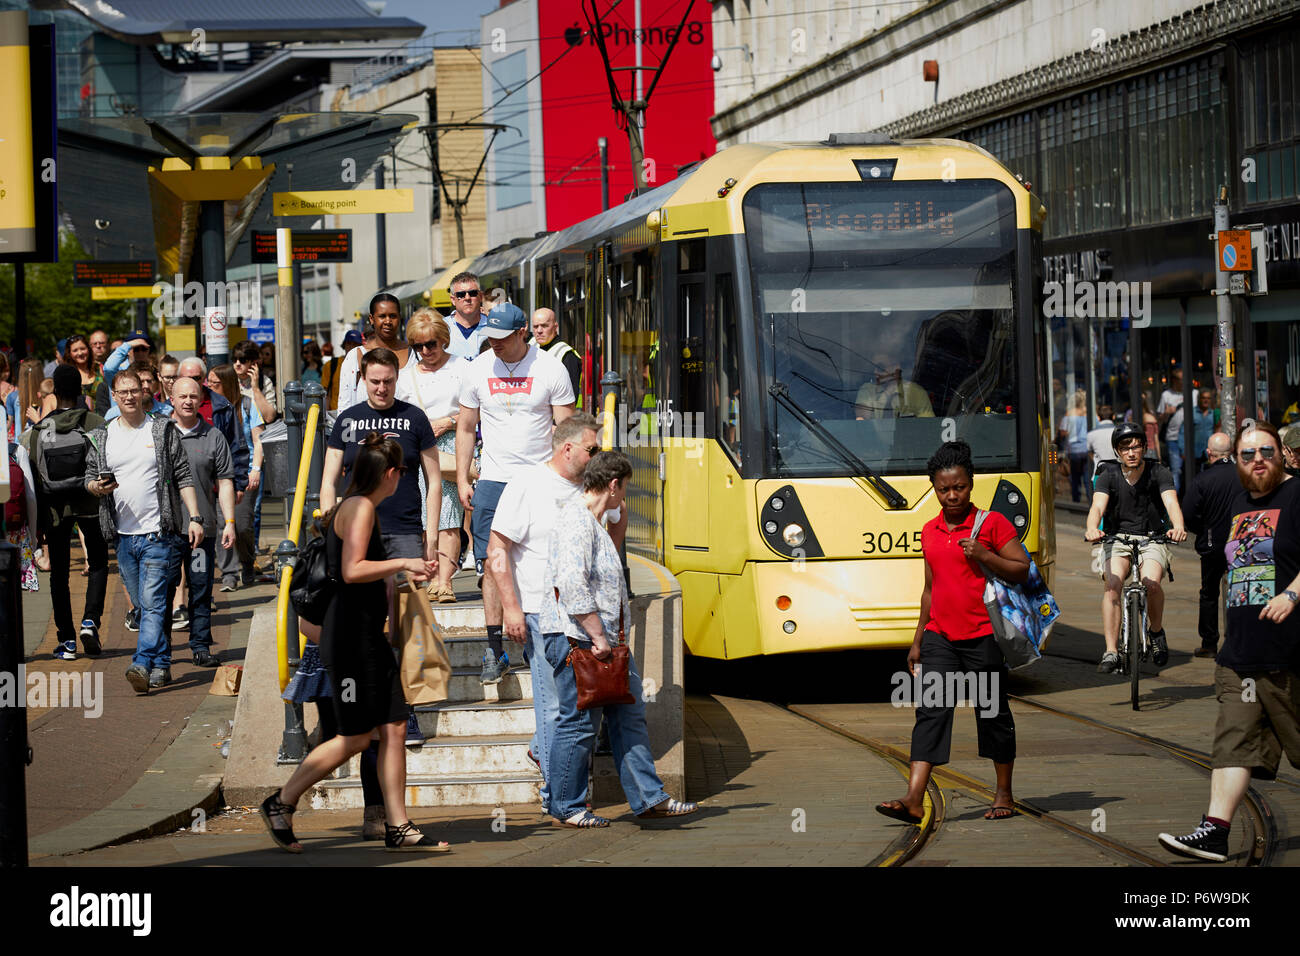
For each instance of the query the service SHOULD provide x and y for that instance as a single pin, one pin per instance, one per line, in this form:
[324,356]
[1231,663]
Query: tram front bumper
[821,605]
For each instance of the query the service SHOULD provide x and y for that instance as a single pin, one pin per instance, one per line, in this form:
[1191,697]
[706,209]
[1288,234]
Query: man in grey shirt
[212,467]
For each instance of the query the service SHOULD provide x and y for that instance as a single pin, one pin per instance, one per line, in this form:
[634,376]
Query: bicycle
[1133,608]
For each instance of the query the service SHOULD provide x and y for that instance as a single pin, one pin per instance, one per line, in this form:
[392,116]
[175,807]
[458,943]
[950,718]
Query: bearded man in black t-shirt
[1134,496]
[1257,673]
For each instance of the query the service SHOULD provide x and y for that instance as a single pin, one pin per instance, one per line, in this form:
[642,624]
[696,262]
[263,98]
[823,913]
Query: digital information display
[94,272]
[898,216]
[309,245]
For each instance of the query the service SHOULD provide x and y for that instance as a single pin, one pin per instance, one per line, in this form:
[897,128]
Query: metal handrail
[295,530]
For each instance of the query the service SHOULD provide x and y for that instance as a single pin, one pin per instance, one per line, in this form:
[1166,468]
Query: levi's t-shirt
[957,609]
[402,511]
[514,402]
[1263,554]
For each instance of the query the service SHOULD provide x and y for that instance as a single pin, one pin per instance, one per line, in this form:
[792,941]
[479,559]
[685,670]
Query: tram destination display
[309,245]
[897,215]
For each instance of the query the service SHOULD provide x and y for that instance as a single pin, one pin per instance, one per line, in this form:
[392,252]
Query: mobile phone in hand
[107,477]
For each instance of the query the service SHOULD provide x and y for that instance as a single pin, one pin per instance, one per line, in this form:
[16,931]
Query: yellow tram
[797,328]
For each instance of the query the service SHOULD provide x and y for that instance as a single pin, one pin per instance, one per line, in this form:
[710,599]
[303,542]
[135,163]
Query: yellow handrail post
[295,531]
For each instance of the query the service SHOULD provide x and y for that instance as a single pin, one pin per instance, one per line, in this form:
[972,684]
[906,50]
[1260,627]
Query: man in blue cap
[60,347]
[518,393]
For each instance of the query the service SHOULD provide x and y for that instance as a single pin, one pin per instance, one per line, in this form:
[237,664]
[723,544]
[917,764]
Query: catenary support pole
[1223,302]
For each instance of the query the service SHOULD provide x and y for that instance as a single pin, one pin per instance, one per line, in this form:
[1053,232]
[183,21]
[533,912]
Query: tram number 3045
[883,542]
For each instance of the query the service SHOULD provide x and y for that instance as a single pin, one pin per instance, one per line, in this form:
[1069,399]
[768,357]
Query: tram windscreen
[887,310]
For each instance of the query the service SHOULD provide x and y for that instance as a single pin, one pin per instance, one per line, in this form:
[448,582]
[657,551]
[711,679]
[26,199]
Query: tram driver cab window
[888,393]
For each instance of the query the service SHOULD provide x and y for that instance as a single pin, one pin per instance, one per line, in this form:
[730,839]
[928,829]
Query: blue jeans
[200,568]
[1176,462]
[151,568]
[575,738]
[546,708]
[486,496]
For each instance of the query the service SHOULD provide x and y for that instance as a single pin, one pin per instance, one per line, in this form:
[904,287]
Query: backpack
[16,506]
[313,586]
[61,460]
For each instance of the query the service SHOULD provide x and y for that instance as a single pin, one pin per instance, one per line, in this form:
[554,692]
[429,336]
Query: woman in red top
[954,645]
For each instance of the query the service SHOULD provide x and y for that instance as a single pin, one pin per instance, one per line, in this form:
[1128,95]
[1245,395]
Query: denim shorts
[484,502]
[402,545]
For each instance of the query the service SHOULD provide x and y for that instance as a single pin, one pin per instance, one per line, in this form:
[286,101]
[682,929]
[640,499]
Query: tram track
[1259,814]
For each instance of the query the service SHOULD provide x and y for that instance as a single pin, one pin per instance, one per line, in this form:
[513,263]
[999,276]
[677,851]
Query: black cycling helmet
[1126,430]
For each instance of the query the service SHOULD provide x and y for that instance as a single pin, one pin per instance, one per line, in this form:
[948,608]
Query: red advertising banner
[576,107]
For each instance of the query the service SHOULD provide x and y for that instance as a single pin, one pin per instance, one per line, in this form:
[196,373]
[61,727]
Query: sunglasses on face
[465,294]
[432,345]
[1266,452]
[592,450]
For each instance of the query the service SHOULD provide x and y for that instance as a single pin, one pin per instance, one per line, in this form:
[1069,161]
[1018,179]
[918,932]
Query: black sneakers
[1159,647]
[1109,661]
[1209,841]
[90,638]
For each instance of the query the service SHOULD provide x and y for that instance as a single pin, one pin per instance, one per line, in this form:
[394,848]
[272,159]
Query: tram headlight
[789,627]
[793,535]
[777,503]
[770,527]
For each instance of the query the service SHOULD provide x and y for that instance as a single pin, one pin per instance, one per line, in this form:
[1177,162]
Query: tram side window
[728,387]
[690,346]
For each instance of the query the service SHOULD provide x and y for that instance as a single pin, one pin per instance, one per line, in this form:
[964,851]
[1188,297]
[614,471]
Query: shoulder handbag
[601,683]
[1022,614]
[446,460]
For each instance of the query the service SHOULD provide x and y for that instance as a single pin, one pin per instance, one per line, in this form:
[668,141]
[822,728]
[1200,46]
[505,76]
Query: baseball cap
[1291,436]
[61,346]
[138,334]
[504,320]
[352,337]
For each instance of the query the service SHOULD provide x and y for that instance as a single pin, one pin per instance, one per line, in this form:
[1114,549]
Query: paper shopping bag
[225,683]
[425,668]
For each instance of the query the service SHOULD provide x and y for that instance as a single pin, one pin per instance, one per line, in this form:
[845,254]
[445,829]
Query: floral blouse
[586,568]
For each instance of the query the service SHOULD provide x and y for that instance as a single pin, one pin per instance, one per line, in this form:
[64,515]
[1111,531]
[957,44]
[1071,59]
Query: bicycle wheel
[1134,612]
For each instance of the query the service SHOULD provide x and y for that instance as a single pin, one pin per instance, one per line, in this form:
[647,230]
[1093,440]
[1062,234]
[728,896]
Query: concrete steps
[476,751]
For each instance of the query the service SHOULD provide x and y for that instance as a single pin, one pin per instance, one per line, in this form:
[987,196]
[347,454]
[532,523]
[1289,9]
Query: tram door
[686,494]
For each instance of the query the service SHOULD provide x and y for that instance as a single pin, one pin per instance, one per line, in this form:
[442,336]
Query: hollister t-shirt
[1263,552]
[514,402]
[401,512]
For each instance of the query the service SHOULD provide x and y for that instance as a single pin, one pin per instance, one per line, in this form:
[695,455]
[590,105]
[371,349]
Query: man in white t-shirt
[1099,447]
[517,556]
[516,391]
[468,316]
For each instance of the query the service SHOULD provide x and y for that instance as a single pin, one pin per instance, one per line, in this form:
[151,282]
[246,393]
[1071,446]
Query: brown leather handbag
[601,683]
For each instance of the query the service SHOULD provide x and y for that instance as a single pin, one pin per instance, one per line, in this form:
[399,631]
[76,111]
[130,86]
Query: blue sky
[443,15]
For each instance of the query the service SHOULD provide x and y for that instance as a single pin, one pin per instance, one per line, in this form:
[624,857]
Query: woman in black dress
[366,691]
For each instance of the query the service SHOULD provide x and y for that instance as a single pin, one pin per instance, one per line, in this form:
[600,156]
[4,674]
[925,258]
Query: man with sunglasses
[1135,498]
[467,303]
[516,392]
[1257,673]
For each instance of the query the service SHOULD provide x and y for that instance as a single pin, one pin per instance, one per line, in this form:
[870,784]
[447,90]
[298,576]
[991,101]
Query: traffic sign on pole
[1234,250]
[342,202]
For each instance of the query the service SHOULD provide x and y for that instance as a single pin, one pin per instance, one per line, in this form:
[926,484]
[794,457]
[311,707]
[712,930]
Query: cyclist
[1135,496]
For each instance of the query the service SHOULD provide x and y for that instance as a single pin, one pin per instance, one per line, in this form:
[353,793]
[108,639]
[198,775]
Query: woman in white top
[433,384]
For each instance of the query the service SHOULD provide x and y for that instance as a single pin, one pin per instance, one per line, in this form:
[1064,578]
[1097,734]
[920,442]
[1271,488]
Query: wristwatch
[1291,596]
[197,519]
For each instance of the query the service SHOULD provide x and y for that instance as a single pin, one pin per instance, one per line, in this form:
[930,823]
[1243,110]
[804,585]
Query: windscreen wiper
[781,393]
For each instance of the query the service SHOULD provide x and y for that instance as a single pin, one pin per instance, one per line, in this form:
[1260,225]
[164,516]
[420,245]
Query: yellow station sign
[343,202]
[102,293]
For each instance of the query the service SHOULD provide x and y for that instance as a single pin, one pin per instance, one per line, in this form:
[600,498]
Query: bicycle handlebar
[1136,540]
